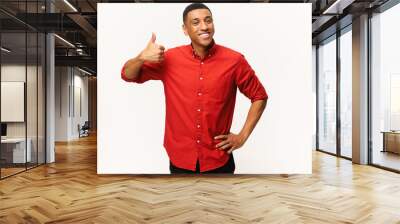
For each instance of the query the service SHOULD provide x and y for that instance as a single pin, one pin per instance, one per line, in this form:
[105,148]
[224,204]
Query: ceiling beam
[85,61]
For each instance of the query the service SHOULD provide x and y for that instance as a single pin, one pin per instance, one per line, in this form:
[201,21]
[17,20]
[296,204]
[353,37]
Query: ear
[184,29]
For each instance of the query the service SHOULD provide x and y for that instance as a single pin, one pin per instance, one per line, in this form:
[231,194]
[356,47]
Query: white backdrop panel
[276,41]
[12,101]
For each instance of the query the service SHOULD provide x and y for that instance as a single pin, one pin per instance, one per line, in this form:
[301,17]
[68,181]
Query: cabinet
[391,142]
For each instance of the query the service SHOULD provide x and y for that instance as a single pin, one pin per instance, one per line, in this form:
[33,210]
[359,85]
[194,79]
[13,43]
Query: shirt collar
[211,51]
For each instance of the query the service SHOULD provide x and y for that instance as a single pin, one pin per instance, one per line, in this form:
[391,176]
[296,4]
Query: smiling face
[199,26]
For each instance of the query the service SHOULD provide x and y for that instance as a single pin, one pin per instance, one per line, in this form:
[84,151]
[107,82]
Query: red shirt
[200,99]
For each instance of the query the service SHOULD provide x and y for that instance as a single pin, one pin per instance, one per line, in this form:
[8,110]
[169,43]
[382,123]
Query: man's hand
[153,52]
[230,142]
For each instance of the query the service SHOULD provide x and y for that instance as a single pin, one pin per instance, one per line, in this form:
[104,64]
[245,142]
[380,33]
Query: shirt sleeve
[247,81]
[148,71]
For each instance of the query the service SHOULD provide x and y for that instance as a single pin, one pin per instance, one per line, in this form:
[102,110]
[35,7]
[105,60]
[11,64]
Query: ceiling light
[5,50]
[70,5]
[338,6]
[84,71]
[64,40]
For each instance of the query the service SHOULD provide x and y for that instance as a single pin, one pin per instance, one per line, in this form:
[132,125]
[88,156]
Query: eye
[195,22]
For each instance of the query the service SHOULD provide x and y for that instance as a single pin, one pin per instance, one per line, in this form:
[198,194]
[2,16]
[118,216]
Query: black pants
[229,167]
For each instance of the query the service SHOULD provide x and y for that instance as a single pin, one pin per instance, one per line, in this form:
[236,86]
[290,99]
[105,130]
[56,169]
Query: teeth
[204,34]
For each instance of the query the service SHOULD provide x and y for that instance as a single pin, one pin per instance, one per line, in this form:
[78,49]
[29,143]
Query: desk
[391,141]
[15,148]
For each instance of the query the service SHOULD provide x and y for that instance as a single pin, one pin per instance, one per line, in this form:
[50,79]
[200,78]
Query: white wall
[131,116]
[34,125]
[314,102]
[61,103]
[68,83]
[12,73]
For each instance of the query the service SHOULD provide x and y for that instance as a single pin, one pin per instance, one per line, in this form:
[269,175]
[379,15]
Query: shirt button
[199,94]
[198,110]
[198,126]
[202,63]
[201,78]
[198,141]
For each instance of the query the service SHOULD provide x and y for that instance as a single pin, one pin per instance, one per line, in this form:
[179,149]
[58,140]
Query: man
[200,83]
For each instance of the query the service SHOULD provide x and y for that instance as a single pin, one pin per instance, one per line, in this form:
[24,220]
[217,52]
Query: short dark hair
[193,6]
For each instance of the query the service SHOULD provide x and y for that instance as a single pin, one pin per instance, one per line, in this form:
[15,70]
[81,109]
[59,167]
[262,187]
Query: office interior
[48,82]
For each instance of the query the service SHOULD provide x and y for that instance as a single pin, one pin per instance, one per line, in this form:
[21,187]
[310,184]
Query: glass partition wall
[13,91]
[22,88]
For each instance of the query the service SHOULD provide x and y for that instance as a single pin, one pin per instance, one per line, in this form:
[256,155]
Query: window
[385,89]
[327,96]
[346,93]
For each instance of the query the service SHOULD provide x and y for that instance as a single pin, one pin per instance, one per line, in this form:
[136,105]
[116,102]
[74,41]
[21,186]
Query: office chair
[84,130]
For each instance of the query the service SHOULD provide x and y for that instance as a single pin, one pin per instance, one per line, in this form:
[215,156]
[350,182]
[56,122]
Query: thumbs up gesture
[153,52]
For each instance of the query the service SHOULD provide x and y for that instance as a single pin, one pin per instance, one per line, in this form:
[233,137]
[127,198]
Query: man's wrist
[244,135]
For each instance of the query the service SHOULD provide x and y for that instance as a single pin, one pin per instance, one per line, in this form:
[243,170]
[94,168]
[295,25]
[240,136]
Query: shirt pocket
[221,87]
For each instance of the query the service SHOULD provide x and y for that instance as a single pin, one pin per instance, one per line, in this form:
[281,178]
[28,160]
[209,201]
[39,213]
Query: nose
[203,25]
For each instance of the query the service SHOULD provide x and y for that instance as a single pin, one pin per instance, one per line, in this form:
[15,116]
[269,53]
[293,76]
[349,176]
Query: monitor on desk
[3,130]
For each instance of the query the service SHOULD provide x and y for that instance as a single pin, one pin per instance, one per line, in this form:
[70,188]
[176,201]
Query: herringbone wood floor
[70,191]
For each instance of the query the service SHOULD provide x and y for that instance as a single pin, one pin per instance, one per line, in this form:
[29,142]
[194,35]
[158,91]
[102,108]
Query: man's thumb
[153,38]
